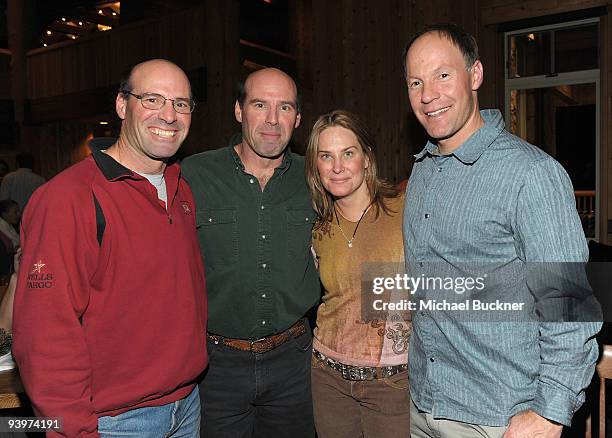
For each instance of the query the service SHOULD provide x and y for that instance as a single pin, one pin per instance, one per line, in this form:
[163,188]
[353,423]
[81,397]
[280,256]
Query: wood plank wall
[503,11]
[206,36]
[605,170]
[5,80]
[357,65]
[348,55]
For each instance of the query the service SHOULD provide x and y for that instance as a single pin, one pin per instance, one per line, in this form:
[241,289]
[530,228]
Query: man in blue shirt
[481,198]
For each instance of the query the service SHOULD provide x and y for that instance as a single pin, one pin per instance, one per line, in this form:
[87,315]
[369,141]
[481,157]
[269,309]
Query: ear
[477,75]
[120,105]
[298,119]
[238,112]
[367,162]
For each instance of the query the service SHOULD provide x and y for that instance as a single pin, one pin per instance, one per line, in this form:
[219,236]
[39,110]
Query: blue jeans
[258,395]
[180,419]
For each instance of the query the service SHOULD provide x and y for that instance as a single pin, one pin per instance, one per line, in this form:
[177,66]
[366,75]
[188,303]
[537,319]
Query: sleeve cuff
[556,404]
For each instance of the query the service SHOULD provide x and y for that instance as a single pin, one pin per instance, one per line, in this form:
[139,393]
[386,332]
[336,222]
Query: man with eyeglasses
[254,224]
[110,313]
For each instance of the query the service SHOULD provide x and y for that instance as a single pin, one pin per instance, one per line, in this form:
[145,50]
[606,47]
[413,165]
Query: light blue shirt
[502,204]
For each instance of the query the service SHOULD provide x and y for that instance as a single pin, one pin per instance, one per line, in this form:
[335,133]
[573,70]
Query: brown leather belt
[262,345]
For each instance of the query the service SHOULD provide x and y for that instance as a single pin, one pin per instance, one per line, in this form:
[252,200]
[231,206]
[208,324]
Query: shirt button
[307,219]
[420,264]
[439,169]
[209,219]
[264,265]
[263,295]
[251,180]
[431,359]
[422,313]
[426,215]
[263,322]
[263,236]
[263,207]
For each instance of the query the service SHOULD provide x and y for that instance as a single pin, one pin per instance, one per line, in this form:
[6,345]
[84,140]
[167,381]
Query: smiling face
[269,113]
[442,92]
[154,135]
[342,164]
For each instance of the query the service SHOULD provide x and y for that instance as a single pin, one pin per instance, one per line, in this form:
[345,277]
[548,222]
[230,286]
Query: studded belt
[262,345]
[351,372]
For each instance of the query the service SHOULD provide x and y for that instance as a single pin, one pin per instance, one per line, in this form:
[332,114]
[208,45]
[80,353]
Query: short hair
[126,87]
[322,200]
[461,39]
[25,159]
[241,94]
[6,205]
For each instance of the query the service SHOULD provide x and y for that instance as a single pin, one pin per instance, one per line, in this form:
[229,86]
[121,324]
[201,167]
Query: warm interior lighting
[103,28]
[80,23]
[63,19]
[531,37]
[103,123]
[100,12]
[114,14]
[44,44]
[73,37]
[49,32]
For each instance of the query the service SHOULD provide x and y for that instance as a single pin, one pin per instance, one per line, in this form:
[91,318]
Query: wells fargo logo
[38,279]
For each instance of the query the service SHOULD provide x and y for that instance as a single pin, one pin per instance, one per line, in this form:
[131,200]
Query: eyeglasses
[155,101]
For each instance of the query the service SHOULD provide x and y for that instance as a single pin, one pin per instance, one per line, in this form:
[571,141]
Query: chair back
[604,371]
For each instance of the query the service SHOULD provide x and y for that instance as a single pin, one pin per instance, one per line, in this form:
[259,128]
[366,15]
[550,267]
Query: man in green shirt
[254,219]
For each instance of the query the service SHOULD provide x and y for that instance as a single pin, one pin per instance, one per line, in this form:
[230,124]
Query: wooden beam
[105,20]
[79,105]
[503,11]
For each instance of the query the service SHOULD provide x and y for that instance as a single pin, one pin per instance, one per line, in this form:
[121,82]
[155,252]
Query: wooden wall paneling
[490,56]
[605,214]
[499,11]
[218,48]
[90,69]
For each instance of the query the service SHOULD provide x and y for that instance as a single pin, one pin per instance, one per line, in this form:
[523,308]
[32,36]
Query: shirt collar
[113,170]
[470,151]
[110,168]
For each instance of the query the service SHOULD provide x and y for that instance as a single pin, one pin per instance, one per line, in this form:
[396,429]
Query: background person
[9,220]
[21,183]
[359,366]
[9,237]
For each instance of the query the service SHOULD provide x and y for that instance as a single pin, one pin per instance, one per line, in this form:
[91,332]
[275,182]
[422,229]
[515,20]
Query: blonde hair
[322,200]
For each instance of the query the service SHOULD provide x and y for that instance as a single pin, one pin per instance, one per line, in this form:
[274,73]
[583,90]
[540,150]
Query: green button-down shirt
[260,272]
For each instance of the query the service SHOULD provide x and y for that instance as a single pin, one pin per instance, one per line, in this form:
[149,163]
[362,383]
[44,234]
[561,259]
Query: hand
[528,424]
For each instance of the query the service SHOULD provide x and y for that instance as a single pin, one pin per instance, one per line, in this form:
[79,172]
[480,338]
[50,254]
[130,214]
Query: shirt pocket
[299,229]
[218,233]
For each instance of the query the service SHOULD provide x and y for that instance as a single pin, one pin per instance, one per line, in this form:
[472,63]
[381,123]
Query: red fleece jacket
[102,328]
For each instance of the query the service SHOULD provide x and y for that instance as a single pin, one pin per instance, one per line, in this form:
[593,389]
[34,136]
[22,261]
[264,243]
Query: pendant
[350,243]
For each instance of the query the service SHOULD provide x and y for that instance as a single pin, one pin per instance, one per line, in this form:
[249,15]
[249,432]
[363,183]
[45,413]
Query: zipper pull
[170,219]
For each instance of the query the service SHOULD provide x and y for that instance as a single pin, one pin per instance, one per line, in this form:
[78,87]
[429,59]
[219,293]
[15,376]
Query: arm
[6,305]
[52,295]
[548,230]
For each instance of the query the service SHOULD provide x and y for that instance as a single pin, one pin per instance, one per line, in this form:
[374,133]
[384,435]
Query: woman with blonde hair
[359,364]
